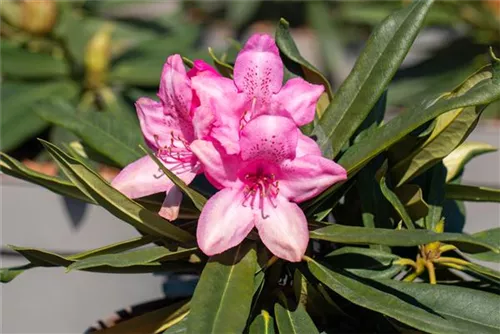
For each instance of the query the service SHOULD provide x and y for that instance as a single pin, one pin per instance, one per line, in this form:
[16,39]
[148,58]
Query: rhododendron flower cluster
[244,135]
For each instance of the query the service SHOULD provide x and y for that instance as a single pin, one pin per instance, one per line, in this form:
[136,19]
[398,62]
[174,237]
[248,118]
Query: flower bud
[98,56]
[38,16]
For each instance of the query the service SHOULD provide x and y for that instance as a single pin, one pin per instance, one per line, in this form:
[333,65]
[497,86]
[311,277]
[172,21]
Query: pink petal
[306,145]
[258,70]
[308,176]
[220,168]
[224,222]
[284,230]
[270,138]
[202,68]
[176,96]
[171,204]
[141,178]
[299,98]
[153,122]
[220,109]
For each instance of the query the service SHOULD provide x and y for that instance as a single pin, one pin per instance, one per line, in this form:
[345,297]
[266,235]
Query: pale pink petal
[269,138]
[220,168]
[220,108]
[283,229]
[306,145]
[171,204]
[141,178]
[224,222]
[202,68]
[258,70]
[153,122]
[305,177]
[299,98]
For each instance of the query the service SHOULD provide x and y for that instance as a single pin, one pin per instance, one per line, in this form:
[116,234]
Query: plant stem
[432,272]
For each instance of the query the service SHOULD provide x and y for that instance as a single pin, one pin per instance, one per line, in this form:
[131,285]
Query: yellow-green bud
[38,16]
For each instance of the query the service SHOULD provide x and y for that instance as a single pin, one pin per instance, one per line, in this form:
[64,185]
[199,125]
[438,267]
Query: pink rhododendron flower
[168,129]
[260,187]
[257,89]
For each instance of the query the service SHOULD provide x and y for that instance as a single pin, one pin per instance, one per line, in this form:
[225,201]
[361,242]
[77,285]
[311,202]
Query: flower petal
[141,178]
[202,68]
[258,70]
[224,222]
[171,204]
[153,122]
[269,138]
[284,230]
[306,145]
[305,177]
[299,98]
[220,168]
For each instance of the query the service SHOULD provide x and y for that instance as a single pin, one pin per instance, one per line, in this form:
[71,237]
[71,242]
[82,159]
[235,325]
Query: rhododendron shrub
[300,208]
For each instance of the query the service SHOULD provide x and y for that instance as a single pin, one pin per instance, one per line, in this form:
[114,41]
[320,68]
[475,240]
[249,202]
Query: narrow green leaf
[374,69]
[116,247]
[435,195]
[365,293]
[491,236]
[456,160]
[294,320]
[396,203]
[222,299]
[198,199]
[262,324]
[112,200]
[365,236]
[11,166]
[462,192]
[224,68]
[477,268]
[8,274]
[412,198]
[287,47]
[114,138]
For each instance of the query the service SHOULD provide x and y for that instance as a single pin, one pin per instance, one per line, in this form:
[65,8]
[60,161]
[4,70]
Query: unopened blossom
[168,129]
[257,89]
[261,186]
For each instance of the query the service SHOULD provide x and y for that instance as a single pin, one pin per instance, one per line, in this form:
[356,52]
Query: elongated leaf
[463,192]
[451,129]
[11,166]
[412,198]
[262,324]
[287,47]
[490,236]
[198,199]
[365,262]
[8,274]
[374,69]
[456,160]
[112,137]
[112,200]
[224,68]
[435,195]
[132,258]
[471,311]
[293,320]
[222,299]
[365,236]
[116,247]
[396,203]
[367,294]
[477,268]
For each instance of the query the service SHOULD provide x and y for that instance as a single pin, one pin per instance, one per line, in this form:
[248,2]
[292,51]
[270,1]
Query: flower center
[259,189]
[248,114]
[177,151]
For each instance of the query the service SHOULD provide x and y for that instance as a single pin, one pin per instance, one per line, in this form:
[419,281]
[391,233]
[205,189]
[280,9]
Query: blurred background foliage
[99,56]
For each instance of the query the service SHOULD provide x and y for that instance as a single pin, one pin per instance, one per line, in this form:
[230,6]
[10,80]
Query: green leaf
[132,258]
[435,195]
[374,69]
[11,166]
[112,200]
[24,64]
[198,199]
[224,68]
[366,293]
[477,268]
[463,192]
[491,236]
[456,160]
[8,274]
[294,320]
[222,299]
[412,198]
[262,324]
[102,131]
[451,129]
[365,262]
[291,53]
[365,236]
[116,247]
[471,311]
